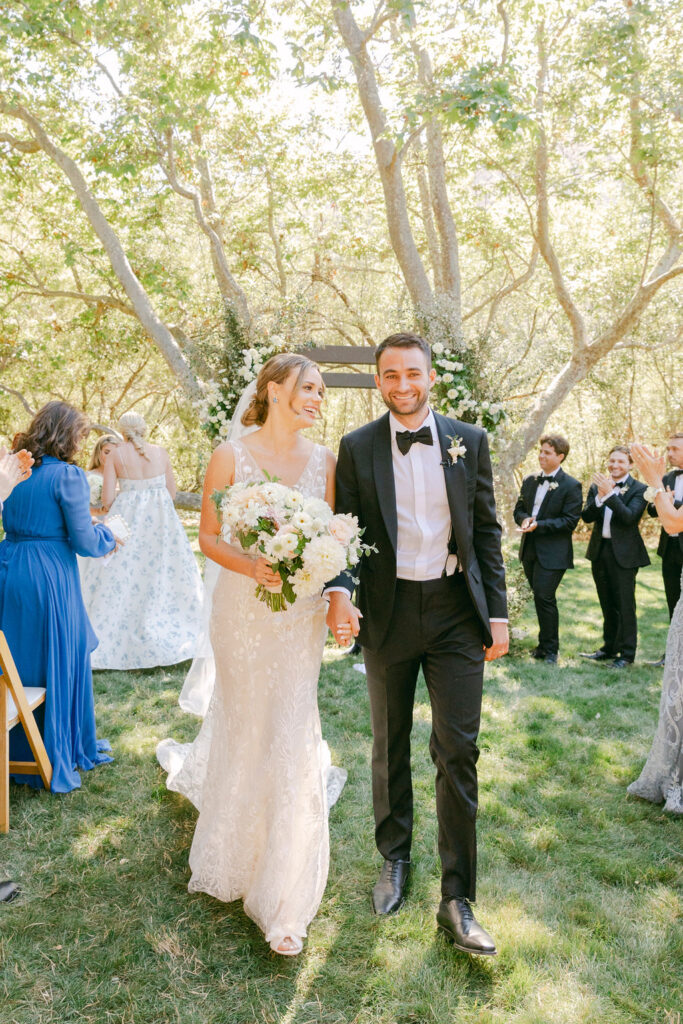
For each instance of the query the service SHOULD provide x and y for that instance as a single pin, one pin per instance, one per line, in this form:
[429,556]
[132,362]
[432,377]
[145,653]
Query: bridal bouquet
[304,541]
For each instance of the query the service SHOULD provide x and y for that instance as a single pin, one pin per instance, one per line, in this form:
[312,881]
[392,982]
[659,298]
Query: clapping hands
[651,464]
[604,484]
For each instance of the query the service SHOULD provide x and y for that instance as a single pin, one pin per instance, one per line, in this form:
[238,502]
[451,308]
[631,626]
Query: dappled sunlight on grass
[95,837]
[580,885]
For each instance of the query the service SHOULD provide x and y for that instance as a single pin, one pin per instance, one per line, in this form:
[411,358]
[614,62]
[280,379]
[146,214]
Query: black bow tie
[544,479]
[406,438]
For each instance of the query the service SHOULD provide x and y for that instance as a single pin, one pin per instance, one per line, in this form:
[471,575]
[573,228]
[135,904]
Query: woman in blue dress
[47,523]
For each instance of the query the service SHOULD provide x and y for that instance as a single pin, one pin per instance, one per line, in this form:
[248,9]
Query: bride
[256,771]
[662,776]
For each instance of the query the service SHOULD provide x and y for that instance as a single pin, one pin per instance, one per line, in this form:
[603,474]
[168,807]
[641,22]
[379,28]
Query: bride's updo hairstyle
[278,368]
[134,429]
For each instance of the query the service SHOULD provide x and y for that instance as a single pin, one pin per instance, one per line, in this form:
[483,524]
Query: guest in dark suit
[616,550]
[433,597]
[547,511]
[670,547]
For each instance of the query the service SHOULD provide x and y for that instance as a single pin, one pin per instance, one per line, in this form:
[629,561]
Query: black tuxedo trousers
[616,587]
[544,583]
[434,626]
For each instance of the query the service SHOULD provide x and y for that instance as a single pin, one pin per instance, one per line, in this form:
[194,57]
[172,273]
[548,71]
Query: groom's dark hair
[404,340]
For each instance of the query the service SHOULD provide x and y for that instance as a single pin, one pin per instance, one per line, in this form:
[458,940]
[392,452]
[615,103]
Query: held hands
[265,575]
[343,618]
[501,641]
[604,484]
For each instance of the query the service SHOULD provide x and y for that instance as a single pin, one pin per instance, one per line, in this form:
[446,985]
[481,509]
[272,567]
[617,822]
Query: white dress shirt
[678,488]
[599,502]
[422,511]
[541,491]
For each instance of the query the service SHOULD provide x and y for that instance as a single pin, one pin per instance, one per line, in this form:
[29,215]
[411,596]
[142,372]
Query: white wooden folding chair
[17,704]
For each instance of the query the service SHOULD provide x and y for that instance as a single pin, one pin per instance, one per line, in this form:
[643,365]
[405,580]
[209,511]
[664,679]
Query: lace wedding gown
[258,771]
[662,777]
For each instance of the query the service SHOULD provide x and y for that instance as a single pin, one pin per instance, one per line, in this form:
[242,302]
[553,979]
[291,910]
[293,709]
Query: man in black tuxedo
[670,547]
[547,511]
[433,596]
[616,550]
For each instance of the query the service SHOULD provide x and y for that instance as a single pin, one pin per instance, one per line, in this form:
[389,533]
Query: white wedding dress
[259,771]
[662,777]
[145,605]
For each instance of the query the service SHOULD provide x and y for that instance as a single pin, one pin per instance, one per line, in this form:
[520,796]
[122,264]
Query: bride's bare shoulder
[223,456]
[330,459]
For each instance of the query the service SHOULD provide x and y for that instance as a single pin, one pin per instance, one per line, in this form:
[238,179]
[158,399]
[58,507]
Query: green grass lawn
[580,885]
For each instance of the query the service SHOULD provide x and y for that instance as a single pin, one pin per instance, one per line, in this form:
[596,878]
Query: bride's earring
[275,399]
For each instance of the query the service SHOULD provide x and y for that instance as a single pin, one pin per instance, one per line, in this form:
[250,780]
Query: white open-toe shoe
[287,945]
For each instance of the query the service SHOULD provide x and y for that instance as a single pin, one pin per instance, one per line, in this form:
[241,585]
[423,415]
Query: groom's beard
[419,403]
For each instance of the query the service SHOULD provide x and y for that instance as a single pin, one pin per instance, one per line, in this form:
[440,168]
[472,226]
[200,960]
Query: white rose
[452,394]
[447,378]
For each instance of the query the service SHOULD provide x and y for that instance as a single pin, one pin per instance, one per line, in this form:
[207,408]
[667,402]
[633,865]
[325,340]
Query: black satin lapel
[456,488]
[384,478]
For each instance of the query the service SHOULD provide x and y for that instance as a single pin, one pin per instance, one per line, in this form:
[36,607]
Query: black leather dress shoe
[660,663]
[387,896]
[597,656]
[8,891]
[456,920]
[537,654]
[621,663]
[550,659]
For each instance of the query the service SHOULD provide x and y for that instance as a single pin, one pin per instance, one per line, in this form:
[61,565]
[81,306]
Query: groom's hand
[501,641]
[343,618]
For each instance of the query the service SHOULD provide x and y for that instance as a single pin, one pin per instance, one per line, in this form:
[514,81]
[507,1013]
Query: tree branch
[318,276]
[139,299]
[388,160]
[498,296]
[228,286]
[542,233]
[502,10]
[272,231]
[23,145]
[443,214]
[18,395]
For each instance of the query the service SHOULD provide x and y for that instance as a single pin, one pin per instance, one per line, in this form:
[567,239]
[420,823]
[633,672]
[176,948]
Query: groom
[433,596]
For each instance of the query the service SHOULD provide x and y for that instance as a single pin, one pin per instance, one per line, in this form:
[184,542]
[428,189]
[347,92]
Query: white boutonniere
[456,449]
[552,486]
[622,488]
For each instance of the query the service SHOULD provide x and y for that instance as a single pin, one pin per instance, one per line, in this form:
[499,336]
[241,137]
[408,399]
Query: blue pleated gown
[47,523]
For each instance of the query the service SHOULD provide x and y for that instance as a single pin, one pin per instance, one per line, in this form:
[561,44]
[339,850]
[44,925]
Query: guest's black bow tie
[406,438]
[544,479]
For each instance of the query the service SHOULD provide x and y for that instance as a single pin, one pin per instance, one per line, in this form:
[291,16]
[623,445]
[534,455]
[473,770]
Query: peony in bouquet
[304,541]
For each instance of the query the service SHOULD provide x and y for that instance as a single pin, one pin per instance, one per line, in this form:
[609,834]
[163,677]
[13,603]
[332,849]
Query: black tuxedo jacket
[668,545]
[365,488]
[627,508]
[557,517]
